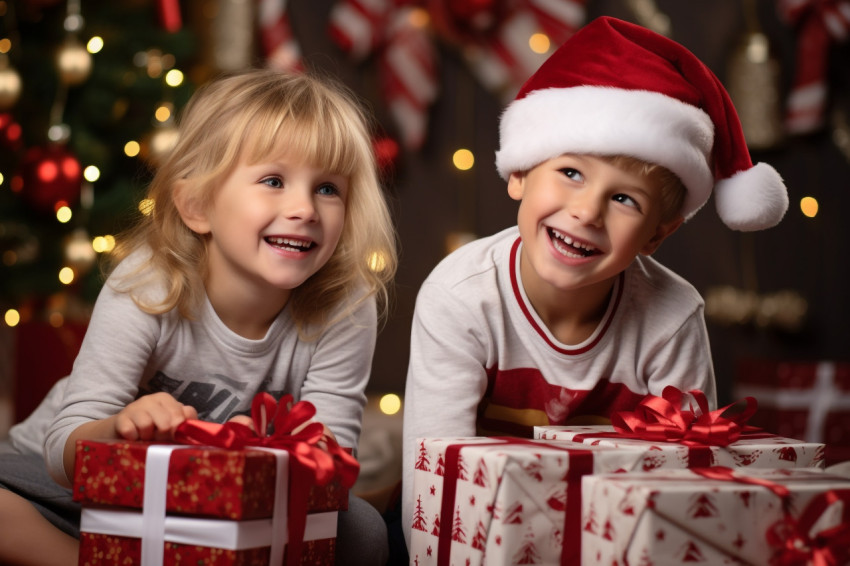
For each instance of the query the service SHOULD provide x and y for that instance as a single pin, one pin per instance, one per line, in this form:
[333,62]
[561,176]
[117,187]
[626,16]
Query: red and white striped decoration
[279,45]
[407,58]
[819,23]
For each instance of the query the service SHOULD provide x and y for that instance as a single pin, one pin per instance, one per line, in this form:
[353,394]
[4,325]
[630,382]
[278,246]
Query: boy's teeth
[566,239]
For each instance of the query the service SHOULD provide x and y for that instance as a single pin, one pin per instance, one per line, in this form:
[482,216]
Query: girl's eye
[327,189]
[274,182]
[627,200]
[573,174]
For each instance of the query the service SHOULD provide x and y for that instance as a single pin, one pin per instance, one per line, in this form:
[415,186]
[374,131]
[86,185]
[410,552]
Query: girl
[250,274]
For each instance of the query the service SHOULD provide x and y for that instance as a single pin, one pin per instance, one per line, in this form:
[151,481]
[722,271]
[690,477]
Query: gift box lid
[203,481]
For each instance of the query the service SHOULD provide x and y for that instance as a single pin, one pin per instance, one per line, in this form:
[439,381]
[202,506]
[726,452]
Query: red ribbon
[791,537]
[663,419]
[580,464]
[293,431]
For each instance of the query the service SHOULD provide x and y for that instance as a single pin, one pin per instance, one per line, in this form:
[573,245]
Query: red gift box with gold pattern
[227,493]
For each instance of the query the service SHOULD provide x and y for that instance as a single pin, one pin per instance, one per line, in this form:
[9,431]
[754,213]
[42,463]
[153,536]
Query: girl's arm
[152,417]
[112,361]
[339,371]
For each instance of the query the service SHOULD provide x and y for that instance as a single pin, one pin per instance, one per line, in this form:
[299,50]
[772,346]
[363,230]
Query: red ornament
[386,152]
[10,132]
[464,21]
[48,175]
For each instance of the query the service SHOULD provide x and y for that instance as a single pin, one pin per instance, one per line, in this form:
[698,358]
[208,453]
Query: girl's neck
[247,312]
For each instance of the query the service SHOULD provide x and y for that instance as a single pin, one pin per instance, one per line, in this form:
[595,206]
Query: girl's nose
[300,206]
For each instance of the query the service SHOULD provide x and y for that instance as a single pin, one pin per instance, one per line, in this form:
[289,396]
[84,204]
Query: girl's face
[271,225]
[583,221]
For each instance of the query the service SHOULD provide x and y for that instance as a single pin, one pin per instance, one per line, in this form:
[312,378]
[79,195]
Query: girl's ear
[191,211]
[516,185]
[664,230]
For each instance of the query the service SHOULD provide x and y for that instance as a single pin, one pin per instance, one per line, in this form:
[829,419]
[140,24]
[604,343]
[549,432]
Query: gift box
[228,494]
[807,400]
[215,505]
[716,516]
[504,501]
[755,450]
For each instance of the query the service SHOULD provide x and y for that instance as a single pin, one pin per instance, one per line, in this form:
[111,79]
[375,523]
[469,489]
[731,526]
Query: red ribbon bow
[314,457]
[789,537]
[663,419]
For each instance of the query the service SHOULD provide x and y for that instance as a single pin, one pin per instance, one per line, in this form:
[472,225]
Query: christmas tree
[88,96]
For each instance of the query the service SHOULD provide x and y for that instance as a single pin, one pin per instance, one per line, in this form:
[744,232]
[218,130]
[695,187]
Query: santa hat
[615,88]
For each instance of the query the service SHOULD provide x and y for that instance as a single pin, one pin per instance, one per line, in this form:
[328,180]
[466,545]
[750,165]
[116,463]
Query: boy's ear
[516,185]
[662,232]
[191,211]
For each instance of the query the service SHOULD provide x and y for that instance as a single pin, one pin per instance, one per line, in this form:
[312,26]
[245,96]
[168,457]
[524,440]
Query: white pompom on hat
[616,88]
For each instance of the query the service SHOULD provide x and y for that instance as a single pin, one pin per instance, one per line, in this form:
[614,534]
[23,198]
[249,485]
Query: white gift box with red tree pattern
[674,517]
[749,451]
[502,501]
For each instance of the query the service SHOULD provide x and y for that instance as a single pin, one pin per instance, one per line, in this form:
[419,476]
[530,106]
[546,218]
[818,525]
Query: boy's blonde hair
[673,191]
[250,116]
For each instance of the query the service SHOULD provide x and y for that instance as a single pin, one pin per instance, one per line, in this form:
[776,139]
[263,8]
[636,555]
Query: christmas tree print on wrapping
[422,458]
[420,523]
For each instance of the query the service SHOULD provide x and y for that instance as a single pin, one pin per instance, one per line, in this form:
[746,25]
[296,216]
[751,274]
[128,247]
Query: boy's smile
[582,221]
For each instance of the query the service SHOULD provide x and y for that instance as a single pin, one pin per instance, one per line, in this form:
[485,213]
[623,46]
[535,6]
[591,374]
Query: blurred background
[89,91]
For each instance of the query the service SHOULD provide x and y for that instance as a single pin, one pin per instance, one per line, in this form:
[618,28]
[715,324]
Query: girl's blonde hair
[250,116]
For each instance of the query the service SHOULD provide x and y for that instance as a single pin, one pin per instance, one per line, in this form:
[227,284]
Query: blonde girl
[250,273]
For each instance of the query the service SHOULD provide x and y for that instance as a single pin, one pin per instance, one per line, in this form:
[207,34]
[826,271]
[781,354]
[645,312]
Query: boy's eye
[327,189]
[573,174]
[274,182]
[627,200]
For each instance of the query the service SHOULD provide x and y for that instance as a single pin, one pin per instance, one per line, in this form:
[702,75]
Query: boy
[618,138]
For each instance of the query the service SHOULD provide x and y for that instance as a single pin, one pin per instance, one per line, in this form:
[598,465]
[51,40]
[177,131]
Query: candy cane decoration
[819,23]
[279,45]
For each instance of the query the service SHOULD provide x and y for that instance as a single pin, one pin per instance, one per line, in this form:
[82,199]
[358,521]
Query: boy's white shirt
[126,351]
[469,319]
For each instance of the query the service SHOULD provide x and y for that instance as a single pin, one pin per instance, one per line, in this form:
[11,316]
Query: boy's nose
[586,208]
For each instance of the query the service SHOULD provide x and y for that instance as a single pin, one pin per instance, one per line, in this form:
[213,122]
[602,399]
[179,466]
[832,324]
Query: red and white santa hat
[615,88]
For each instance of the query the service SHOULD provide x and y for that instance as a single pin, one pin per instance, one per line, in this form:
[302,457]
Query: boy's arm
[446,377]
[685,361]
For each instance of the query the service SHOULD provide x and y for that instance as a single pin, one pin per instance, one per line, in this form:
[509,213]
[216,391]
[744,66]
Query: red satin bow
[310,462]
[663,419]
[285,419]
[789,537]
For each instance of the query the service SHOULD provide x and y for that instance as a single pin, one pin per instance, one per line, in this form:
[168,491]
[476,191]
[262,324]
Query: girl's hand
[152,417]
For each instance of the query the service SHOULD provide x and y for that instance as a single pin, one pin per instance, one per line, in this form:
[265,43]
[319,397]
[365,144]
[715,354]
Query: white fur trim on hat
[754,199]
[647,125]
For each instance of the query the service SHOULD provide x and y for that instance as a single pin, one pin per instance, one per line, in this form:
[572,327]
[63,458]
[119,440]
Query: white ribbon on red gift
[154,527]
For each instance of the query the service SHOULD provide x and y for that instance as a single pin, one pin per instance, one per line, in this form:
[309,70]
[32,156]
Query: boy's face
[583,221]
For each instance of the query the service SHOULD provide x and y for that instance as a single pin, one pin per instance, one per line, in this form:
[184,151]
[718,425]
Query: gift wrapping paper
[673,517]
[217,505]
[500,501]
[758,450]
[806,400]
